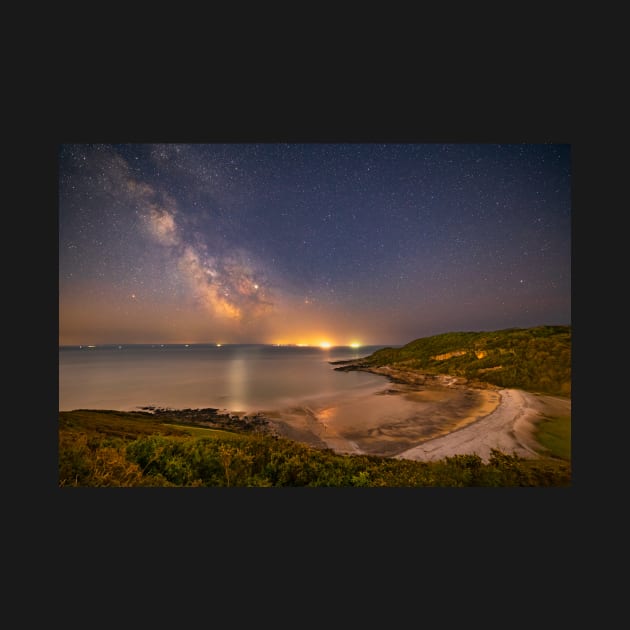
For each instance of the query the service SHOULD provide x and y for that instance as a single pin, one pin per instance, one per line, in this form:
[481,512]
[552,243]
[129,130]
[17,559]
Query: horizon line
[219,344]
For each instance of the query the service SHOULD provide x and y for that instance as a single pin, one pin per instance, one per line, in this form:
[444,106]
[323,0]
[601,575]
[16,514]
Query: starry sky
[312,243]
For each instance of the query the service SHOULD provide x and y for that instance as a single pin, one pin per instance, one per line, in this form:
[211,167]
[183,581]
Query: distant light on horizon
[355,344]
[325,345]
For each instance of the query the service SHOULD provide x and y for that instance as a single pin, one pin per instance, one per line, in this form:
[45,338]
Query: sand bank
[509,428]
[389,421]
[422,417]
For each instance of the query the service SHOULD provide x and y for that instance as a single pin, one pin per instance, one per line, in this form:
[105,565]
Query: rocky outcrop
[448,355]
[480,354]
[212,418]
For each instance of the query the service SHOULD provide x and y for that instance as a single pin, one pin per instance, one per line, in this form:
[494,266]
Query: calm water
[235,377]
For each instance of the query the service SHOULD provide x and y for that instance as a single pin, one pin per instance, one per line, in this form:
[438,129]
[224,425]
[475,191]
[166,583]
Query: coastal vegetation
[553,433]
[110,448]
[534,359]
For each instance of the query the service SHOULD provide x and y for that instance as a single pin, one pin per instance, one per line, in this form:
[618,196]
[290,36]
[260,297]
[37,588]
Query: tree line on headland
[534,359]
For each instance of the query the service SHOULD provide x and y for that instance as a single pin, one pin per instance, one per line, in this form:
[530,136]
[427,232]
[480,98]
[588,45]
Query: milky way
[225,285]
[376,243]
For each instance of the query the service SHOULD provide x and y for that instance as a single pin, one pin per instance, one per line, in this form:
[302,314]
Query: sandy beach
[421,417]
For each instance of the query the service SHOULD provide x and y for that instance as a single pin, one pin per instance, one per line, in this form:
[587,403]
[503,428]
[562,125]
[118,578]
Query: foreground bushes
[258,460]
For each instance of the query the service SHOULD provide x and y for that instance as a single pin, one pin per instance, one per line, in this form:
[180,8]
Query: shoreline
[425,417]
[414,409]
[416,416]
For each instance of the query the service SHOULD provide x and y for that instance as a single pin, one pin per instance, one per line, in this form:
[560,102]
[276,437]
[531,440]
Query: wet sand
[387,421]
[421,417]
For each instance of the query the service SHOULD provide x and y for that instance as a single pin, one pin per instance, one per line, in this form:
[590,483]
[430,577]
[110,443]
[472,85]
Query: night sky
[310,243]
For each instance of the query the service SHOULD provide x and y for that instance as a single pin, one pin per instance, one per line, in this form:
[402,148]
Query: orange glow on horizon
[317,341]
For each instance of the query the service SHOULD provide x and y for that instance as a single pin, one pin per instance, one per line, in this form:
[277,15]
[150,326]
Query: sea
[242,378]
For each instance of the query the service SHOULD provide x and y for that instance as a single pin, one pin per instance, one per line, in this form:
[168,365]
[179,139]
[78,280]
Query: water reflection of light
[238,382]
[326,414]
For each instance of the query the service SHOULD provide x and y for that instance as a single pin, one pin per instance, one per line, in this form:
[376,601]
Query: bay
[240,378]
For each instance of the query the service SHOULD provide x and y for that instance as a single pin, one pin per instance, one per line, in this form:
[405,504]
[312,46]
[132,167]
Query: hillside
[125,449]
[534,359]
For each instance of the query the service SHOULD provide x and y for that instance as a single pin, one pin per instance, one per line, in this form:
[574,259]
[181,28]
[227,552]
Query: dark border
[308,515]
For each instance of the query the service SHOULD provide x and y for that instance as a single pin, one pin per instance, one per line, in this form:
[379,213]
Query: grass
[130,425]
[205,432]
[554,434]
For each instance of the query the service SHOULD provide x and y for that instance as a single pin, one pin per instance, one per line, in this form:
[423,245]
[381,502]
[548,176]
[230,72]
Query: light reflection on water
[236,377]
[239,381]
